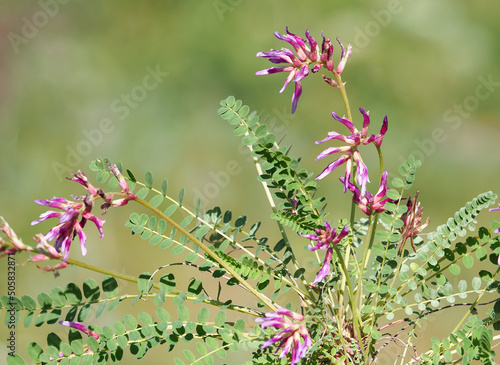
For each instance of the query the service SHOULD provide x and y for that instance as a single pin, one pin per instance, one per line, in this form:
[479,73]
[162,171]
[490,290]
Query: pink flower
[80,327]
[13,239]
[121,180]
[81,178]
[56,267]
[325,239]
[412,222]
[368,203]
[498,229]
[69,224]
[293,336]
[123,186]
[297,65]
[350,152]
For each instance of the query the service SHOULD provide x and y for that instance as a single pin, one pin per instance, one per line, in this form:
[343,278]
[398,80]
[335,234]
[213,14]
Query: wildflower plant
[366,299]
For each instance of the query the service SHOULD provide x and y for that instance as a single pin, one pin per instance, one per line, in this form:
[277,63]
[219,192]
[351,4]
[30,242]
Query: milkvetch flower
[350,152]
[297,64]
[72,219]
[293,336]
[80,327]
[109,202]
[368,203]
[6,249]
[412,222]
[325,238]
[81,178]
[498,229]
[75,214]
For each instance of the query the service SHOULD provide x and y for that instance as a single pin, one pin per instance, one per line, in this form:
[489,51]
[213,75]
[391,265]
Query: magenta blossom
[80,327]
[293,336]
[350,152]
[123,186]
[368,203]
[70,223]
[496,230]
[412,222]
[307,52]
[325,239]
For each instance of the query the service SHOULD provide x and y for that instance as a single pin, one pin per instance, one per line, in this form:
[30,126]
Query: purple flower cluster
[75,214]
[496,230]
[293,337]
[307,52]
[325,238]
[72,219]
[16,242]
[80,327]
[350,152]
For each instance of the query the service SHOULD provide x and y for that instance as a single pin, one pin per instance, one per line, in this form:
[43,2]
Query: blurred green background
[74,86]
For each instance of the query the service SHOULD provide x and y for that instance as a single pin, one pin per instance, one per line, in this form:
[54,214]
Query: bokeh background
[71,89]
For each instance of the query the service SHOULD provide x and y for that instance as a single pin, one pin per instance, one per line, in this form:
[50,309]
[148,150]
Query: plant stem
[356,319]
[343,91]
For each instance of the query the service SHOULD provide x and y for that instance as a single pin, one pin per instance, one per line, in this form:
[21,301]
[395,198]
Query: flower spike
[307,53]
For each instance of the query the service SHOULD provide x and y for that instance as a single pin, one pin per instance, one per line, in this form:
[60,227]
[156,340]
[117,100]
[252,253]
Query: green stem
[466,315]
[343,91]
[310,296]
[210,253]
[381,159]
[366,254]
[117,275]
[356,319]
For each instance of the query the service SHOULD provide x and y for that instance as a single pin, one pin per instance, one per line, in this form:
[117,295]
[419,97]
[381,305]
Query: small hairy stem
[466,315]
[341,87]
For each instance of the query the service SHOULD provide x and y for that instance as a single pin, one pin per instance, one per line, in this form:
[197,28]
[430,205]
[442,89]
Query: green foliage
[375,281]
[280,172]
